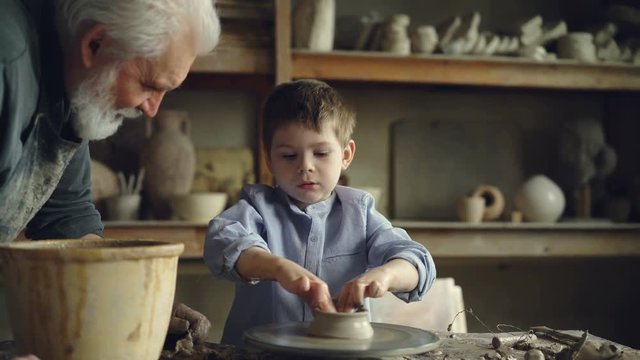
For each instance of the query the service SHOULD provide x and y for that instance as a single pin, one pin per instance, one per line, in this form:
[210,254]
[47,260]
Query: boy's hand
[395,275]
[298,280]
[373,283]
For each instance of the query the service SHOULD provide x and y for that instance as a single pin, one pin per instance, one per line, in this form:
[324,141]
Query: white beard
[93,103]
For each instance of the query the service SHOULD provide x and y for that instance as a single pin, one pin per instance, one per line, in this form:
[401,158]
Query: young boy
[289,248]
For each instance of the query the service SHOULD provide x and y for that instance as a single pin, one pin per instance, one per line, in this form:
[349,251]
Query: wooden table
[472,346]
[452,346]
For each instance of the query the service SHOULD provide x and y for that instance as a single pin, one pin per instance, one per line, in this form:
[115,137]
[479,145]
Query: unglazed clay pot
[169,160]
[90,299]
[354,325]
[540,200]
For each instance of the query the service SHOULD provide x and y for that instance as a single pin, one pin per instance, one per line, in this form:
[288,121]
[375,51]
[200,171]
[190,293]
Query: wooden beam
[236,61]
[283,41]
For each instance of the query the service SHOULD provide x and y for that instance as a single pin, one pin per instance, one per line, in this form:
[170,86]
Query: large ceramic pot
[169,160]
[90,299]
[540,199]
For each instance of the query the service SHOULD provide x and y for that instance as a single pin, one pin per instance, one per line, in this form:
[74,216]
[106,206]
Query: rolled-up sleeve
[229,234]
[385,243]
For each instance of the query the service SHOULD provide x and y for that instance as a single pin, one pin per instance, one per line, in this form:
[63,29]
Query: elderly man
[72,71]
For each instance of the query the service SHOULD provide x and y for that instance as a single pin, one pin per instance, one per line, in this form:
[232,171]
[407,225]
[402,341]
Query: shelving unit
[464,70]
[498,264]
[282,64]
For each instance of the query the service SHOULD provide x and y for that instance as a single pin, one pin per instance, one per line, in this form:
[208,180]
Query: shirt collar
[319,208]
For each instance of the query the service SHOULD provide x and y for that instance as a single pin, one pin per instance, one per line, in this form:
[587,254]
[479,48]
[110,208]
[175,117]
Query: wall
[594,294]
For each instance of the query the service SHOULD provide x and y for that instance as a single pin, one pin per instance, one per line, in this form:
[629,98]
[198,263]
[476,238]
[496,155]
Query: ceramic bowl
[198,207]
[354,325]
[90,299]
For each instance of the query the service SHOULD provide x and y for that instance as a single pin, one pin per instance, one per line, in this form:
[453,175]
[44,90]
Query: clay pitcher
[169,160]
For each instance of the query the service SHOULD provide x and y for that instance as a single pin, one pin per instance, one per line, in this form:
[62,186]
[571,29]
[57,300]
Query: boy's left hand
[373,283]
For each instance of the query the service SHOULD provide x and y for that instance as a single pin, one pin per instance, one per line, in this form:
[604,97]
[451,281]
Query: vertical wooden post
[282,72]
[283,41]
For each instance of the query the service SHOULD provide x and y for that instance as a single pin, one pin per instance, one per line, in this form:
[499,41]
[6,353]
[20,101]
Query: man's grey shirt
[45,179]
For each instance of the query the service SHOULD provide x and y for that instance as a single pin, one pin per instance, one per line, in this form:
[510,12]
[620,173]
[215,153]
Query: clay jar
[169,161]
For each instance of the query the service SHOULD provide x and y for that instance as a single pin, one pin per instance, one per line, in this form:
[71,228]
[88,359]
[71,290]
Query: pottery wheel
[387,340]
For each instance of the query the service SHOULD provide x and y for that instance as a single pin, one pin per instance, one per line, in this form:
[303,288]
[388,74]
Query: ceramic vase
[540,200]
[314,24]
[169,161]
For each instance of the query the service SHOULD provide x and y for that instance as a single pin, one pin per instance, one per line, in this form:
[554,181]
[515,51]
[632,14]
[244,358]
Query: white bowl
[341,325]
[198,207]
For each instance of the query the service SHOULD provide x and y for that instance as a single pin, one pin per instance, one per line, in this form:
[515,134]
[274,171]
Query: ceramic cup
[354,325]
[471,209]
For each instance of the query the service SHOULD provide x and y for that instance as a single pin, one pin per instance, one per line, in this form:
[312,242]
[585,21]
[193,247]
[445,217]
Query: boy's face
[306,164]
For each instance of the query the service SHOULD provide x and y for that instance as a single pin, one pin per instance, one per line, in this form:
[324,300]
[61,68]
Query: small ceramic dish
[354,325]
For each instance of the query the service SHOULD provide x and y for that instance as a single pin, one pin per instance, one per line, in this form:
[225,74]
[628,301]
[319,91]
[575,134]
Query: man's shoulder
[13,30]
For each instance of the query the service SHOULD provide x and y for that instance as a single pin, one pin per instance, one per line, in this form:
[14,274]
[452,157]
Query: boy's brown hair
[309,102]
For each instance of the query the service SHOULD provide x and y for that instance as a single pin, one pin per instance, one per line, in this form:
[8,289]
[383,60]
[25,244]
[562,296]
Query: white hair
[142,27]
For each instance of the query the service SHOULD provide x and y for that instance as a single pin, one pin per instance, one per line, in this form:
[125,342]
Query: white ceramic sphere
[540,199]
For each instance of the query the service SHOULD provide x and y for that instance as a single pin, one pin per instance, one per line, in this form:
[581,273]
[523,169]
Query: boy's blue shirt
[336,239]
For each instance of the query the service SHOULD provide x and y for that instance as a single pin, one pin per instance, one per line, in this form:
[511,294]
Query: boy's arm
[397,264]
[397,275]
[258,264]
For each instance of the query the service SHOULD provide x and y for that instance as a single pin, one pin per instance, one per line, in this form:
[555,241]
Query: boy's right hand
[298,280]
[258,264]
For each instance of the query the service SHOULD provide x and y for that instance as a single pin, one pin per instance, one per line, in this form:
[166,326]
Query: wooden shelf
[445,240]
[475,71]
[253,61]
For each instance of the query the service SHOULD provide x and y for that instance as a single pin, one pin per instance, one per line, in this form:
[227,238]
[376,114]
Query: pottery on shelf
[341,325]
[493,199]
[104,184]
[90,299]
[314,25]
[198,207]
[123,207]
[471,209]
[540,200]
[169,160]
